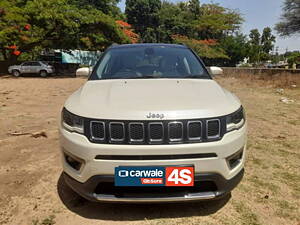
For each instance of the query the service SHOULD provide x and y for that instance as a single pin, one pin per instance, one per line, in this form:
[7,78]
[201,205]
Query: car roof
[147,45]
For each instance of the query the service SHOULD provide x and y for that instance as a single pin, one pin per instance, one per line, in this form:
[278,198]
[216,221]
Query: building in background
[82,58]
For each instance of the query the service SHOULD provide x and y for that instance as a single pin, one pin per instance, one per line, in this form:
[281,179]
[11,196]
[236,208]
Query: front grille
[155,132]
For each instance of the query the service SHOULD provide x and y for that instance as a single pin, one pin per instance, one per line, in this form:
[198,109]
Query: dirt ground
[32,191]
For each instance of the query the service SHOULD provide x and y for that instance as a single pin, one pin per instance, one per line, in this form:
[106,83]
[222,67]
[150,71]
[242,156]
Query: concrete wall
[258,71]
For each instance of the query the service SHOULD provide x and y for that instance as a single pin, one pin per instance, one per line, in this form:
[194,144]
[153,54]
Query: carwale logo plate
[154,176]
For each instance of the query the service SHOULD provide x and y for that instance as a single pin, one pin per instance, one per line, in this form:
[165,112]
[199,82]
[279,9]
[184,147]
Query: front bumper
[95,170]
[134,194]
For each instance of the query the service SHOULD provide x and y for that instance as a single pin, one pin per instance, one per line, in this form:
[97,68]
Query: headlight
[72,122]
[235,120]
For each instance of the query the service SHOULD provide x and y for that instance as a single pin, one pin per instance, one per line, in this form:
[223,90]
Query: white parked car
[151,125]
[36,67]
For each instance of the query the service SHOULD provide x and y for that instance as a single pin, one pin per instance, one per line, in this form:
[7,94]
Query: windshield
[149,62]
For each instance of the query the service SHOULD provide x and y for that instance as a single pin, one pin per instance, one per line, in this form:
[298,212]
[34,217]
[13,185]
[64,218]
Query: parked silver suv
[38,67]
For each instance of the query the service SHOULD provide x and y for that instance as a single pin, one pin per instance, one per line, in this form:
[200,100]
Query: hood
[168,98]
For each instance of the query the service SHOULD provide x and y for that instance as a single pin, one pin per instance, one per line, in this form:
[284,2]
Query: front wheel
[43,73]
[16,73]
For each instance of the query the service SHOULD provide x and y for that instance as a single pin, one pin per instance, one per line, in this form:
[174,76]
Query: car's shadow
[132,212]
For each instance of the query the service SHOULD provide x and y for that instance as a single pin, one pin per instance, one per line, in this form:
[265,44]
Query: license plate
[154,176]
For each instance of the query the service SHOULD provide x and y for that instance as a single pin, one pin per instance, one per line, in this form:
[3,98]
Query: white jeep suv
[151,125]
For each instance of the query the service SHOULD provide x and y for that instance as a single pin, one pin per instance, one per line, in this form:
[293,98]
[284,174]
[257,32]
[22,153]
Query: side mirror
[84,71]
[214,70]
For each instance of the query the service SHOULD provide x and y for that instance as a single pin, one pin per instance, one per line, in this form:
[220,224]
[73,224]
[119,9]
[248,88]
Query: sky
[257,14]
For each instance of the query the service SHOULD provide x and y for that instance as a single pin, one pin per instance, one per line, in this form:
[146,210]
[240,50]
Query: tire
[16,73]
[43,73]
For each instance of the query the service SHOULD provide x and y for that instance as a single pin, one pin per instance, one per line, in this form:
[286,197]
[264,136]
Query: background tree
[260,45]
[23,28]
[254,43]
[290,19]
[106,6]
[143,16]
[194,8]
[128,31]
[293,58]
[207,49]
[236,47]
[216,22]
[267,42]
[172,21]
[158,21]
[210,29]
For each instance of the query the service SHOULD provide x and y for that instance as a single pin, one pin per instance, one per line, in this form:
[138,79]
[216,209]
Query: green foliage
[210,29]
[260,45]
[172,20]
[290,19]
[157,21]
[194,8]
[216,21]
[293,58]
[143,15]
[208,51]
[254,37]
[254,50]
[106,6]
[61,25]
[267,40]
[208,21]
[236,47]
[149,35]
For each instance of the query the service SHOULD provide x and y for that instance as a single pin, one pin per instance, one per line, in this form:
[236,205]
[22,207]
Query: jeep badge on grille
[155,116]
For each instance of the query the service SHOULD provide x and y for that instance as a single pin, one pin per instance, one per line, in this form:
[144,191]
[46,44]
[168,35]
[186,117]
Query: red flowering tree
[62,25]
[208,48]
[13,49]
[128,31]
